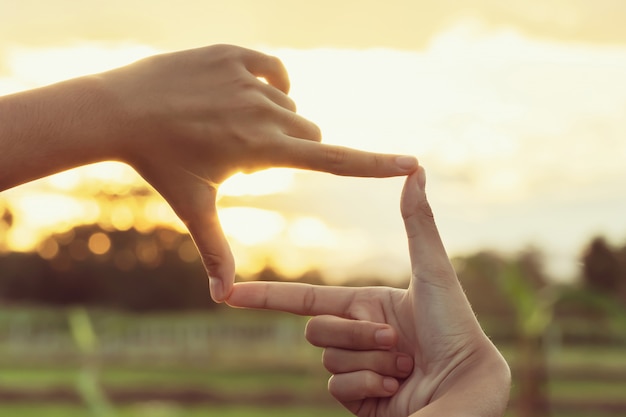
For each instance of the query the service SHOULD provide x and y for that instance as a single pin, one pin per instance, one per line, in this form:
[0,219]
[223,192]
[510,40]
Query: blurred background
[516,110]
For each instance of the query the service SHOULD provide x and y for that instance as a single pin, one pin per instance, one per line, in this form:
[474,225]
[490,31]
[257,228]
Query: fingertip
[404,364]
[407,163]
[421,178]
[385,337]
[390,385]
[217,290]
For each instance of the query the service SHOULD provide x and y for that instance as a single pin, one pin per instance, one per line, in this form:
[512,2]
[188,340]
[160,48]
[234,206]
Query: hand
[191,119]
[457,370]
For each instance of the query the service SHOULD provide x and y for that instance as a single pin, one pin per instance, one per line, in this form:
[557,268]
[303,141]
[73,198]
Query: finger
[386,363]
[342,161]
[269,67]
[338,332]
[205,228]
[296,298]
[428,255]
[359,385]
[295,126]
[278,97]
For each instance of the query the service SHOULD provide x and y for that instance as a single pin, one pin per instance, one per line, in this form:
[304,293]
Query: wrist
[54,128]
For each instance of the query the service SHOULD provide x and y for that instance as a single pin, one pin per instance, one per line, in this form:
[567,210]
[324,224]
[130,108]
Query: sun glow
[502,122]
[269,181]
[251,226]
[62,63]
[311,232]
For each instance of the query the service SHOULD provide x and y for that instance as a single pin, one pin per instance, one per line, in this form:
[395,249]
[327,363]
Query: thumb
[193,199]
[429,261]
[205,229]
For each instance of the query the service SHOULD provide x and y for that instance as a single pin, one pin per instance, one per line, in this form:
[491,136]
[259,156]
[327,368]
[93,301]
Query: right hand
[457,371]
[186,121]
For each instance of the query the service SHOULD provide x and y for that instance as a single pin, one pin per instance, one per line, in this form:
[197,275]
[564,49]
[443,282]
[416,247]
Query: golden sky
[397,24]
[516,108]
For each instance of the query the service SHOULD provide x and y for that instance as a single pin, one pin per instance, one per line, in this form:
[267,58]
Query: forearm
[52,129]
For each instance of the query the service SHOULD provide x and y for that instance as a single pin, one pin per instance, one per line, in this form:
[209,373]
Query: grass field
[168,410]
[243,364]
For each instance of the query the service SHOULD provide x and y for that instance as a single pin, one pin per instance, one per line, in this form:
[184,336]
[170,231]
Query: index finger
[340,160]
[295,298]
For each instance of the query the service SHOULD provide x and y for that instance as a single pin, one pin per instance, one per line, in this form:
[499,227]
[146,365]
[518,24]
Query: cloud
[522,138]
[398,24]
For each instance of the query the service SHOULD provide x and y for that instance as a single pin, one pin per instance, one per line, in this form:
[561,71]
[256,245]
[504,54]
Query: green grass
[222,381]
[168,410]
[587,390]
[257,369]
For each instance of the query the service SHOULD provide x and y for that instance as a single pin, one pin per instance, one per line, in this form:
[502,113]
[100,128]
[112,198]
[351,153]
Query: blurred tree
[268,273]
[155,270]
[313,276]
[6,222]
[479,274]
[602,270]
[521,283]
[374,281]
[621,256]
[23,277]
[513,299]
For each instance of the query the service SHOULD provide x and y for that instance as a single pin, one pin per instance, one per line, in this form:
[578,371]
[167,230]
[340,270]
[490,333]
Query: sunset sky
[517,110]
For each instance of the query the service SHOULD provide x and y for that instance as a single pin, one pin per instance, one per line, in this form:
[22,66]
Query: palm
[432,348]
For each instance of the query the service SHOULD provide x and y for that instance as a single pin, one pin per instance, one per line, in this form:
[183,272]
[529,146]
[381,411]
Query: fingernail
[390,384]
[421,178]
[406,162]
[217,290]
[404,364]
[384,337]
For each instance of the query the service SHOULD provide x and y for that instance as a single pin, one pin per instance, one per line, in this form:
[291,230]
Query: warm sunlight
[311,232]
[251,226]
[515,109]
[505,124]
[37,67]
[38,215]
[270,181]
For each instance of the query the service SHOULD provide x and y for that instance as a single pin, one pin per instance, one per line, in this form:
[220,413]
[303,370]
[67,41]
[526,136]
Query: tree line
[160,270]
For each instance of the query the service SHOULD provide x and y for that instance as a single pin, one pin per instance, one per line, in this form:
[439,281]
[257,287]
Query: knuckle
[336,156]
[290,104]
[273,61]
[426,209]
[309,300]
[315,132]
[377,161]
[334,387]
[328,360]
[310,333]
[225,50]
[313,331]
[371,383]
[212,262]
[356,334]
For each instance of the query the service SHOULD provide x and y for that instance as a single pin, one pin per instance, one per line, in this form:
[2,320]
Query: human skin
[185,121]
[368,333]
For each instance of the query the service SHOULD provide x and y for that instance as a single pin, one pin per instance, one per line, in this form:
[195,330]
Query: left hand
[188,120]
